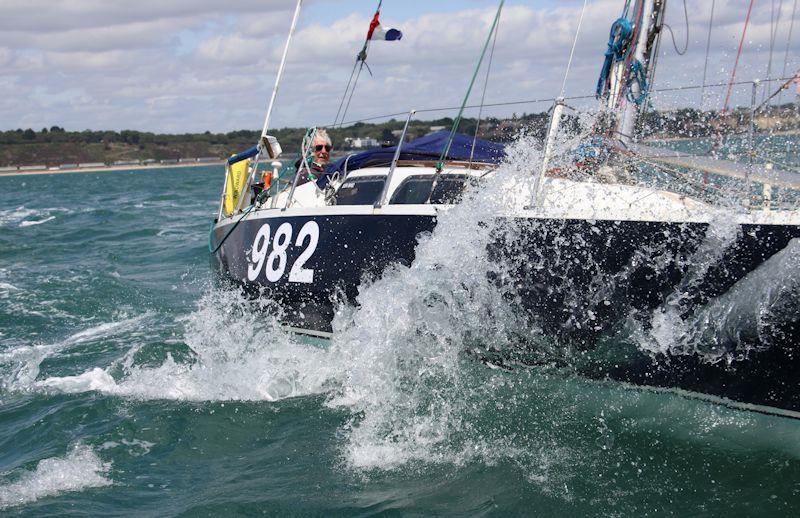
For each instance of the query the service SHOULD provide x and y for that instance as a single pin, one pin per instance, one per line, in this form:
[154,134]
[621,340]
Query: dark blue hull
[581,282]
[349,249]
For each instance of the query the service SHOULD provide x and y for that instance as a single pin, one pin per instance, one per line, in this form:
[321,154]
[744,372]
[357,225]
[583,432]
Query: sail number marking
[274,262]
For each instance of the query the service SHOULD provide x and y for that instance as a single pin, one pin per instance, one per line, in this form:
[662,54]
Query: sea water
[132,383]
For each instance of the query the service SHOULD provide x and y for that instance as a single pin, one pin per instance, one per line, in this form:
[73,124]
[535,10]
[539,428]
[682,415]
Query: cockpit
[407,186]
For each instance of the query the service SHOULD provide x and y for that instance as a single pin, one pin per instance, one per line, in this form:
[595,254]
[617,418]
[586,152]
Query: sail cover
[429,147]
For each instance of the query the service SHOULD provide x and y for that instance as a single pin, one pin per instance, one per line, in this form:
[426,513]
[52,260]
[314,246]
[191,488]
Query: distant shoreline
[109,168]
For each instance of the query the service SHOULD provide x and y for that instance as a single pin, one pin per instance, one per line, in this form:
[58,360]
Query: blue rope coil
[637,74]
[618,39]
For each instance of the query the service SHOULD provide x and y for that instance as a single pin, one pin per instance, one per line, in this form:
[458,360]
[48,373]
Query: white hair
[323,135]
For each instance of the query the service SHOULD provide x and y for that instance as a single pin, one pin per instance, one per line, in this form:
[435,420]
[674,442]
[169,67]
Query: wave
[20,365]
[236,354]
[6,289]
[20,216]
[36,222]
[755,313]
[79,469]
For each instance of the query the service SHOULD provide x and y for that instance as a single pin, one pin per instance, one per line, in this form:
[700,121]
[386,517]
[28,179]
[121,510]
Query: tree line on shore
[56,145]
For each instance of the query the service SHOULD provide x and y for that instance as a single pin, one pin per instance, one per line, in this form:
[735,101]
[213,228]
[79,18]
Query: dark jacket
[315,168]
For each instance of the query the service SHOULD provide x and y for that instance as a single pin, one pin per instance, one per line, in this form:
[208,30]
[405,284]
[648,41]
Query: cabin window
[360,191]
[415,190]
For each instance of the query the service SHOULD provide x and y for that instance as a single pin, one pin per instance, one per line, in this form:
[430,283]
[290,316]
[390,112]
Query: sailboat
[585,255]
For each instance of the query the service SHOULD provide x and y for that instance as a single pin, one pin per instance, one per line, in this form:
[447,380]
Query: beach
[109,168]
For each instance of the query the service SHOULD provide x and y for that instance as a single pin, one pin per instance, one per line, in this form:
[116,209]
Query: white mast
[620,72]
[631,109]
[266,142]
[280,74]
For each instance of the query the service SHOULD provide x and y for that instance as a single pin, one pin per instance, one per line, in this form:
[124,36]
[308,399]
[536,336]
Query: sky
[180,66]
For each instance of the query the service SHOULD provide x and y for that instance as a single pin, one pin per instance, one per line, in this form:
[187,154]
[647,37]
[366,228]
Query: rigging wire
[347,106]
[686,44]
[738,55]
[788,40]
[360,58]
[346,89]
[708,47]
[733,75]
[653,66]
[784,165]
[214,249]
[547,100]
[778,91]
[483,95]
[457,120]
[572,51]
[774,23]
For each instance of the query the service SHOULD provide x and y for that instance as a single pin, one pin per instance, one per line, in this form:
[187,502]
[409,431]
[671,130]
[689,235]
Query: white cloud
[191,65]
[156,33]
[5,56]
[231,49]
[63,15]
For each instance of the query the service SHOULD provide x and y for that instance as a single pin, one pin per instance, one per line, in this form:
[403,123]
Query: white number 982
[276,261]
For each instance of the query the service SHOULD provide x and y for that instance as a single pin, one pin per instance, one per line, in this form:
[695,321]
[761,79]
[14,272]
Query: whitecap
[12,216]
[36,222]
[95,379]
[19,366]
[20,215]
[6,289]
[80,469]
[239,355]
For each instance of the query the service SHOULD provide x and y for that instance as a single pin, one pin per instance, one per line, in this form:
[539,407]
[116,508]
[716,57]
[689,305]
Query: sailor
[320,156]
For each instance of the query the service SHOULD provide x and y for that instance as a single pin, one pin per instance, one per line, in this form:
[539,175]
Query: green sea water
[132,383]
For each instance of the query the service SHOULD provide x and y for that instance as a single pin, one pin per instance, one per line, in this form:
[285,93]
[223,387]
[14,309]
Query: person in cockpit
[320,157]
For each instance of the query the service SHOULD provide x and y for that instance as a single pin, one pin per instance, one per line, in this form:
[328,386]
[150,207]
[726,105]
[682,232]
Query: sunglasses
[319,147]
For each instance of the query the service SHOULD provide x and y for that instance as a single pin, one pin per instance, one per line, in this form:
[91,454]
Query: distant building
[361,143]
[434,129]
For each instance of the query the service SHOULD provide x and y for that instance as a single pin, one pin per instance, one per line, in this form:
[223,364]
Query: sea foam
[30,223]
[19,366]
[238,353]
[20,216]
[80,469]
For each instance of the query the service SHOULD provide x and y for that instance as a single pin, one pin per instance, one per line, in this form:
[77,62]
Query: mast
[630,76]
[266,142]
[280,74]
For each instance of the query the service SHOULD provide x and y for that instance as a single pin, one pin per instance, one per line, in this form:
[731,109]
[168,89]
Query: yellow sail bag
[237,174]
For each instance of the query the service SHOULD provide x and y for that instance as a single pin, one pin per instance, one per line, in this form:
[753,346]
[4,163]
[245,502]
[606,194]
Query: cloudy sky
[196,65]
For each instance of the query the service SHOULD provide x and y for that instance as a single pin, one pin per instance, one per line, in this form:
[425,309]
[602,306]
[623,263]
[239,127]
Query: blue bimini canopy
[429,147]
